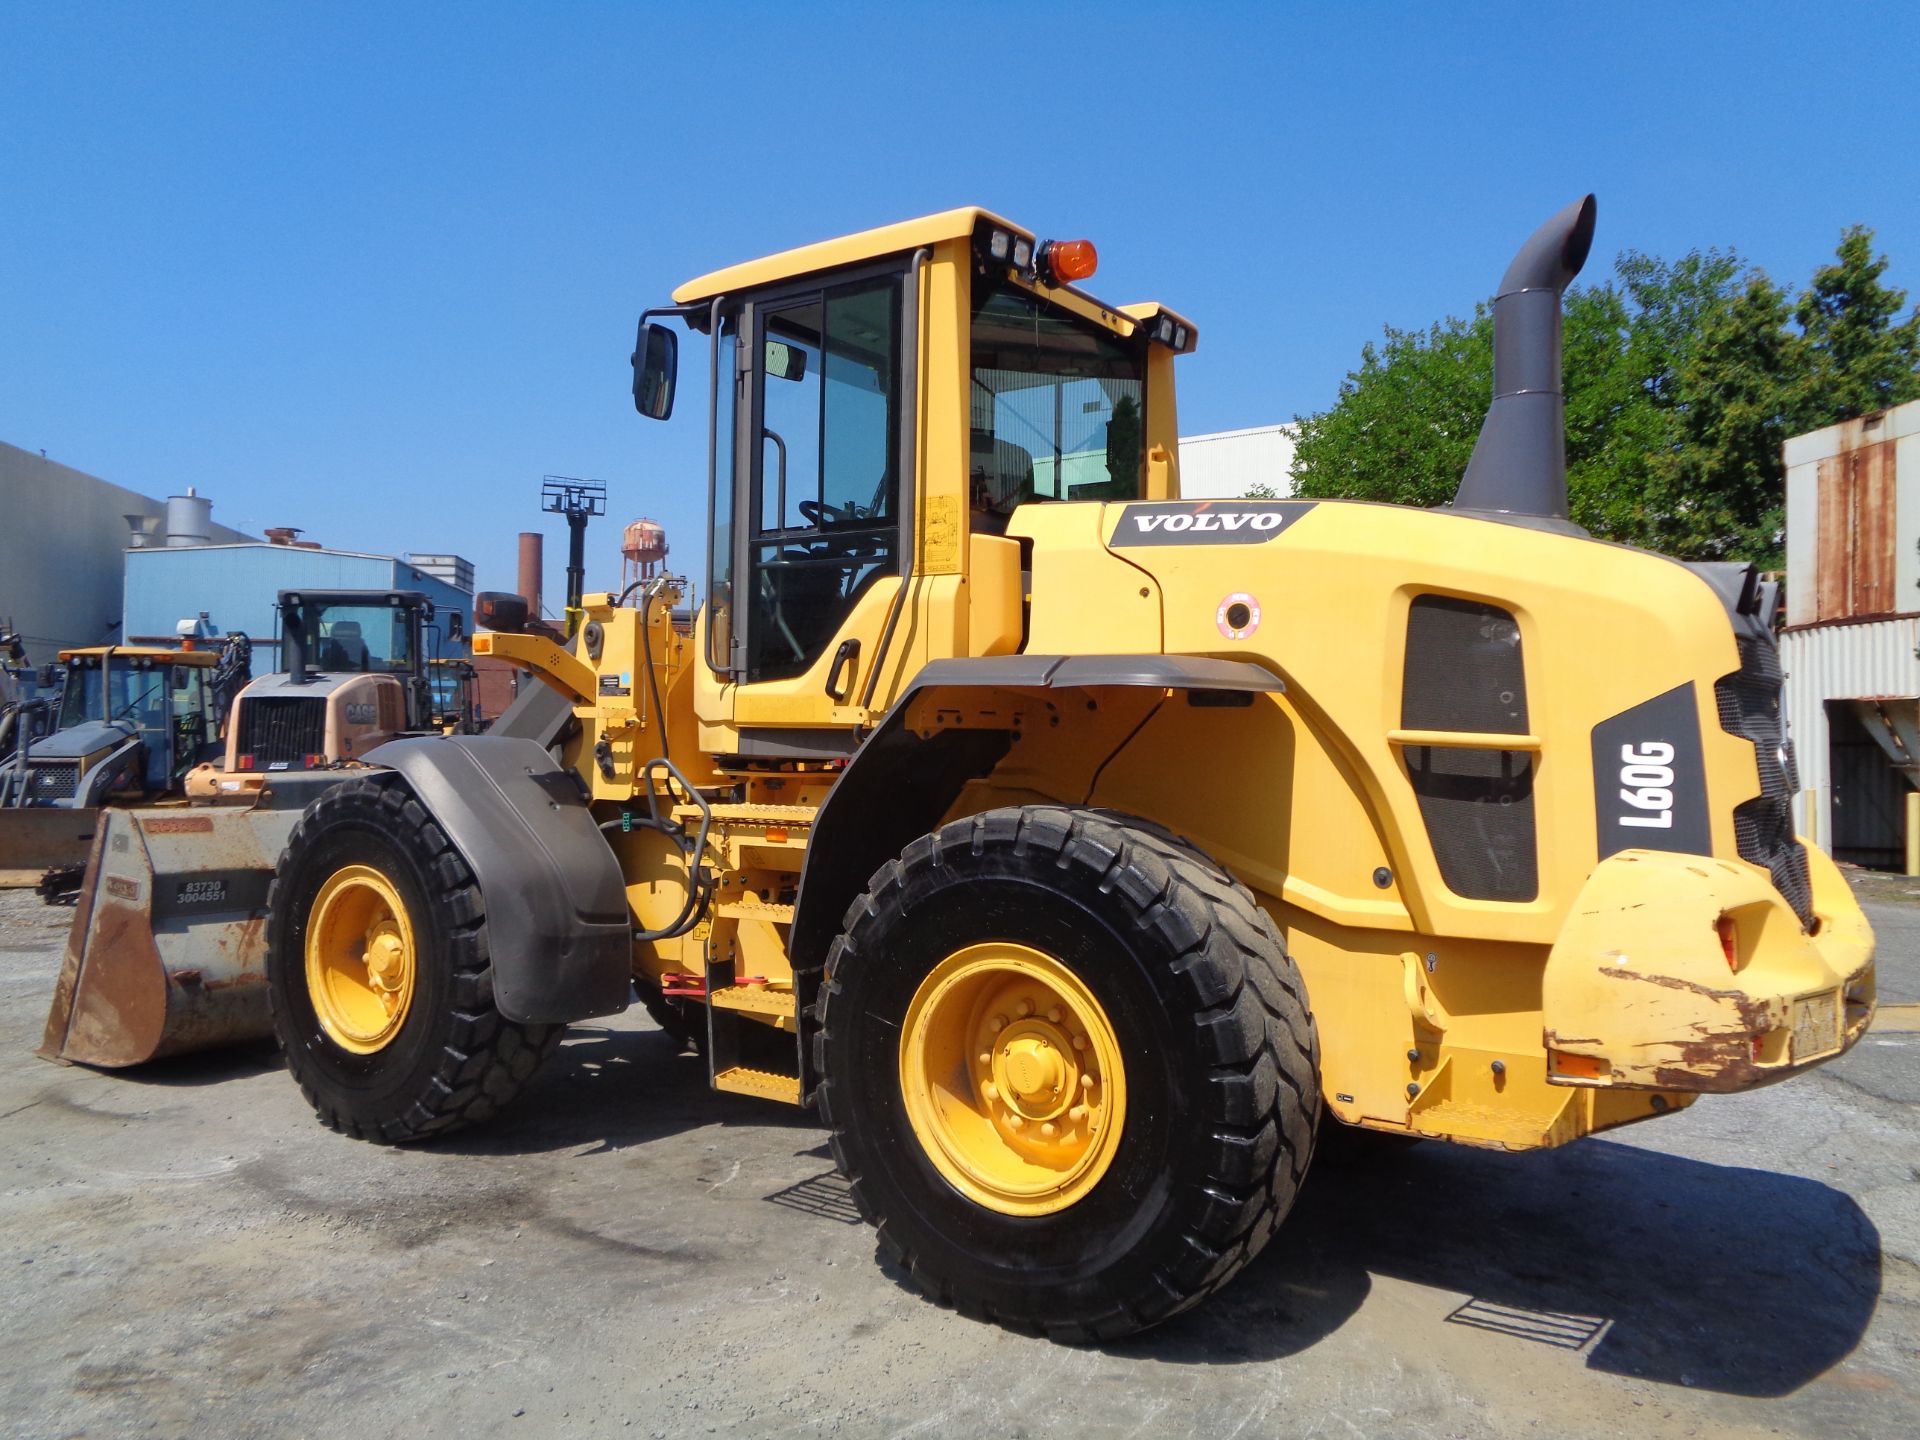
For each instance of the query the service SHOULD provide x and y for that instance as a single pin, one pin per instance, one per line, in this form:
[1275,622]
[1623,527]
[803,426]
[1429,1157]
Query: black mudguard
[558,927]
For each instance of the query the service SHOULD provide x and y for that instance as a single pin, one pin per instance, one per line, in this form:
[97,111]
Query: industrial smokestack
[532,568]
[1519,464]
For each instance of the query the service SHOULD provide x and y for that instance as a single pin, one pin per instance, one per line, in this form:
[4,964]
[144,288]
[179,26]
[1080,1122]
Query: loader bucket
[34,840]
[167,953]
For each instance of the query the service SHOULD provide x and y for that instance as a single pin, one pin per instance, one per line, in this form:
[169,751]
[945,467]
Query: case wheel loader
[1075,849]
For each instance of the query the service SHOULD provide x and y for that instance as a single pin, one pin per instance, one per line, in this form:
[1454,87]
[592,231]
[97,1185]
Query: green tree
[1858,359]
[1716,490]
[1405,422]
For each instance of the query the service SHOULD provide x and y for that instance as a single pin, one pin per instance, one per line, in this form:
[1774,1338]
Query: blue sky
[373,270]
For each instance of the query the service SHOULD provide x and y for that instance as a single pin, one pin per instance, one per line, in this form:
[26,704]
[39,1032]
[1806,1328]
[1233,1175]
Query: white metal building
[63,535]
[1229,463]
[1853,625]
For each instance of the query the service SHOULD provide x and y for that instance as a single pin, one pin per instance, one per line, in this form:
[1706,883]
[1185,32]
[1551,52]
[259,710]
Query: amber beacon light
[1064,261]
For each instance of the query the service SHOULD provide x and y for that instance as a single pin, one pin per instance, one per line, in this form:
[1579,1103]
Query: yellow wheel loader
[1074,848]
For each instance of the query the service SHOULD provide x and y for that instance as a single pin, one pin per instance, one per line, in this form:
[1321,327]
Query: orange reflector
[1729,940]
[776,834]
[483,644]
[1578,1067]
[1069,260]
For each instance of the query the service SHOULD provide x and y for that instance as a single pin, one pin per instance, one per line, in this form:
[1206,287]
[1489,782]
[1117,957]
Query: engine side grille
[1749,701]
[1464,672]
[281,731]
[53,780]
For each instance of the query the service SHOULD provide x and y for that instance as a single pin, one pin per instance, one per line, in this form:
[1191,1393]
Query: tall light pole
[578,500]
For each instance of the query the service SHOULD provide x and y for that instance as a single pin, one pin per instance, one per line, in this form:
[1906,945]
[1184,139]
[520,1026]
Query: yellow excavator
[1075,849]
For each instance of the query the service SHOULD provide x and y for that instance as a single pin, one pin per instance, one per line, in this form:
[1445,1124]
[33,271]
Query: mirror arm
[686,313]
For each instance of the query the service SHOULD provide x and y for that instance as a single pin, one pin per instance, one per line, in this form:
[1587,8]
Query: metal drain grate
[1543,1327]
[826,1195]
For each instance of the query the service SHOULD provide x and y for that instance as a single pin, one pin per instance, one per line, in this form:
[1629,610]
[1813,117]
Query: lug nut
[1054,1014]
[1079,1042]
[990,1090]
[986,1057]
[999,1023]
[1024,1008]
[1049,1130]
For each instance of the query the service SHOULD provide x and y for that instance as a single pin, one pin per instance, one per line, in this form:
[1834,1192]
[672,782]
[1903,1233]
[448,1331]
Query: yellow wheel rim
[1012,1078]
[360,959]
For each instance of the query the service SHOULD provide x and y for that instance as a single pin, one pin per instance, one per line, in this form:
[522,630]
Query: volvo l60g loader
[1071,846]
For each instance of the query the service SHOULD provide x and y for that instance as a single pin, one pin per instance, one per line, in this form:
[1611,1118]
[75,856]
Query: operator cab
[881,406]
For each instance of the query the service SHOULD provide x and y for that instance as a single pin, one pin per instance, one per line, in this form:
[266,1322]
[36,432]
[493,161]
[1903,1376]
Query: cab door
[822,486]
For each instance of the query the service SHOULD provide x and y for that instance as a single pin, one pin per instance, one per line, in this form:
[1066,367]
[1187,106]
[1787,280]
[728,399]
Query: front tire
[378,973]
[1068,1070]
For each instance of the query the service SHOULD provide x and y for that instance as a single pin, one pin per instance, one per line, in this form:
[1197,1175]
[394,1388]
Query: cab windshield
[354,638]
[1058,407]
[122,692]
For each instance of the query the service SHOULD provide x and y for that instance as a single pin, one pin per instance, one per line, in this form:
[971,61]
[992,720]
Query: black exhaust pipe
[1519,464]
[293,644]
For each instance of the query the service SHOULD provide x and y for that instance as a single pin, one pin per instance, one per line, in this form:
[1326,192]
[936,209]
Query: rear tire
[368,854]
[1164,971]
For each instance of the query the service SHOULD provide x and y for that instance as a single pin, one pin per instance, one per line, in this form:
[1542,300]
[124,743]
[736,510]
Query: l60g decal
[1649,780]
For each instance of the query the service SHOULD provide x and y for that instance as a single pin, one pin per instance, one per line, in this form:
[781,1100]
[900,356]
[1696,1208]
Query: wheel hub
[1012,1077]
[360,959]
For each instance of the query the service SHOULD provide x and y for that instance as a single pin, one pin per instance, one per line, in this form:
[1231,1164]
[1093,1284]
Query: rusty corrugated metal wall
[1853,605]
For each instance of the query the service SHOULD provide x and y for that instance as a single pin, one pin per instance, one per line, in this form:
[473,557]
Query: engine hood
[77,742]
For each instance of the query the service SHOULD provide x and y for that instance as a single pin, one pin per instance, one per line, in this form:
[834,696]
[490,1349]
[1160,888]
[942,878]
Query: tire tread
[1249,1009]
[487,1057]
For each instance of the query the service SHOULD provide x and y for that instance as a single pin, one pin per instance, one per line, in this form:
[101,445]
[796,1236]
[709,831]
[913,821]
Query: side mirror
[656,363]
[456,627]
[500,610]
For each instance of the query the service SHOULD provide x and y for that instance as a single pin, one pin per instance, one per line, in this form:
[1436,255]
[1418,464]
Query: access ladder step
[754,910]
[744,1080]
[733,819]
[758,999]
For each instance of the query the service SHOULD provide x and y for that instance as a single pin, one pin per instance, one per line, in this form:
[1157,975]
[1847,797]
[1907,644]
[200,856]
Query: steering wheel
[126,710]
[816,513]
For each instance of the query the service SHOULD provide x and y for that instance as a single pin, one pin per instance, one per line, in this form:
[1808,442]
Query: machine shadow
[1714,1277]
[205,1067]
[614,1088]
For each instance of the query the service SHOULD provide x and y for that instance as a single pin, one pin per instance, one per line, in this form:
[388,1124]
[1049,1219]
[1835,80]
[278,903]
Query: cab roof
[960,224]
[957,224]
[146,652]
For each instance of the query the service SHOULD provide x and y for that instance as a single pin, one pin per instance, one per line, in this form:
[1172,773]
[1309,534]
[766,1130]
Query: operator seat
[345,649]
[1001,481]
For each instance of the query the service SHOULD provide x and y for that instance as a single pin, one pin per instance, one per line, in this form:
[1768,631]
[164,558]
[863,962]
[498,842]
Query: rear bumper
[1639,993]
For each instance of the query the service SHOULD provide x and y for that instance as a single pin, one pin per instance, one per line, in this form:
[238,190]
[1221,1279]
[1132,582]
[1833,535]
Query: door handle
[839,676]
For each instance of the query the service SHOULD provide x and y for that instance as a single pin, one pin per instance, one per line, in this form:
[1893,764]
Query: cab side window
[1058,408]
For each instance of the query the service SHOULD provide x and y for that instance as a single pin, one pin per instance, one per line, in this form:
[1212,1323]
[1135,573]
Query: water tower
[643,548]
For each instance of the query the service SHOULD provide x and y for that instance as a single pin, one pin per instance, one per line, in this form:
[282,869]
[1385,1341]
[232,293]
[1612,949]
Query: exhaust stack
[1519,464]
